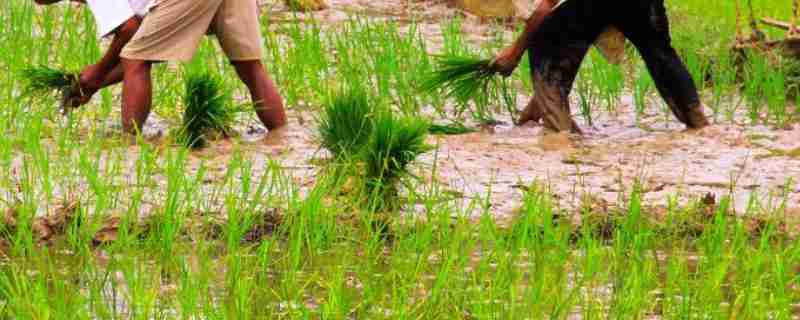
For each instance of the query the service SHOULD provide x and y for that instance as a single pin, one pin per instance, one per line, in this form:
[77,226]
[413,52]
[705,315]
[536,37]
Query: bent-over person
[558,38]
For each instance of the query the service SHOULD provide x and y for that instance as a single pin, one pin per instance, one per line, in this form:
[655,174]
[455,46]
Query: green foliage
[352,129]
[208,109]
[346,123]
[461,78]
[43,80]
[395,143]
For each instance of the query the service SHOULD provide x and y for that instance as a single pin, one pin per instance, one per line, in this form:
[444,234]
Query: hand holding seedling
[507,61]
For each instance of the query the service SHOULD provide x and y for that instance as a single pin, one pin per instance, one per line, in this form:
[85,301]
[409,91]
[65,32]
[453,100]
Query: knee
[129,28]
[135,66]
[248,65]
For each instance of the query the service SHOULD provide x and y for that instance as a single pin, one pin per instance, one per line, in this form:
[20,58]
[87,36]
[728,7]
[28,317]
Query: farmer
[122,24]
[172,31]
[559,37]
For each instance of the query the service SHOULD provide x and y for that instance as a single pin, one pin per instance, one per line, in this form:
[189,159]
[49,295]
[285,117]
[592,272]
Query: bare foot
[506,61]
[529,115]
[697,119]
[277,137]
[556,141]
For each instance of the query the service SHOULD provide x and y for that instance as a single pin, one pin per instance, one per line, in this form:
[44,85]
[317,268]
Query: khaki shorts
[173,29]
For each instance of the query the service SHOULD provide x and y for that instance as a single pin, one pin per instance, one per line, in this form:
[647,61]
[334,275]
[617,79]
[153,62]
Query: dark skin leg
[137,94]
[266,98]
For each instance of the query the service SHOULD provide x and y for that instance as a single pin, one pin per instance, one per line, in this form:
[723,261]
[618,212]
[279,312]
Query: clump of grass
[462,78]
[346,124]
[394,144]
[44,80]
[208,110]
[379,143]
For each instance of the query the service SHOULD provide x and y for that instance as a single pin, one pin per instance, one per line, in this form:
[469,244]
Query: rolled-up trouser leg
[551,100]
[645,23]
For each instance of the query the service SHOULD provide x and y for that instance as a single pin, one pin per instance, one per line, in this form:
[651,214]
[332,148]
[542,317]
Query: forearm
[122,36]
[533,23]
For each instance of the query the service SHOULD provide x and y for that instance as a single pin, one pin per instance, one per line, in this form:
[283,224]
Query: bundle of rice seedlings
[461,78]
[43,80]
[395,143]
[306,5]
[208,110]
[346,123]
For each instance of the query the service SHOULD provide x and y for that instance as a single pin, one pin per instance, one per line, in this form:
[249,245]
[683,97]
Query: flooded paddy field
[637,218]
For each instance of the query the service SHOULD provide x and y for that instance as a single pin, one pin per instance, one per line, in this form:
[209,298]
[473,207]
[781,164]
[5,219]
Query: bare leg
[137,94]
[266,98]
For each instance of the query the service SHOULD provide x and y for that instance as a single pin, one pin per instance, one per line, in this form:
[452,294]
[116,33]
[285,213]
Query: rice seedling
[346,123]
[462,78]
[394,144]
[641,89]
[587,99]
[43,80]
[209,110]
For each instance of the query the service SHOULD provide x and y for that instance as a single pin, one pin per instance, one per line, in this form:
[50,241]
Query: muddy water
[611,157]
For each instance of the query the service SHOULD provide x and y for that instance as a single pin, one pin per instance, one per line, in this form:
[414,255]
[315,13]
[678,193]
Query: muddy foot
[556,141]
[696,119]
[277,137]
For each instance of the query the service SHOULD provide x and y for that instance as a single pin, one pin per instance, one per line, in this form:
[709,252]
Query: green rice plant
[757,71]
[641,88]
[723,78]
[394,144]
[608,79]
[775,91]
[587,97]
[346,123]
[208,110]
[43,80]
[464,79]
